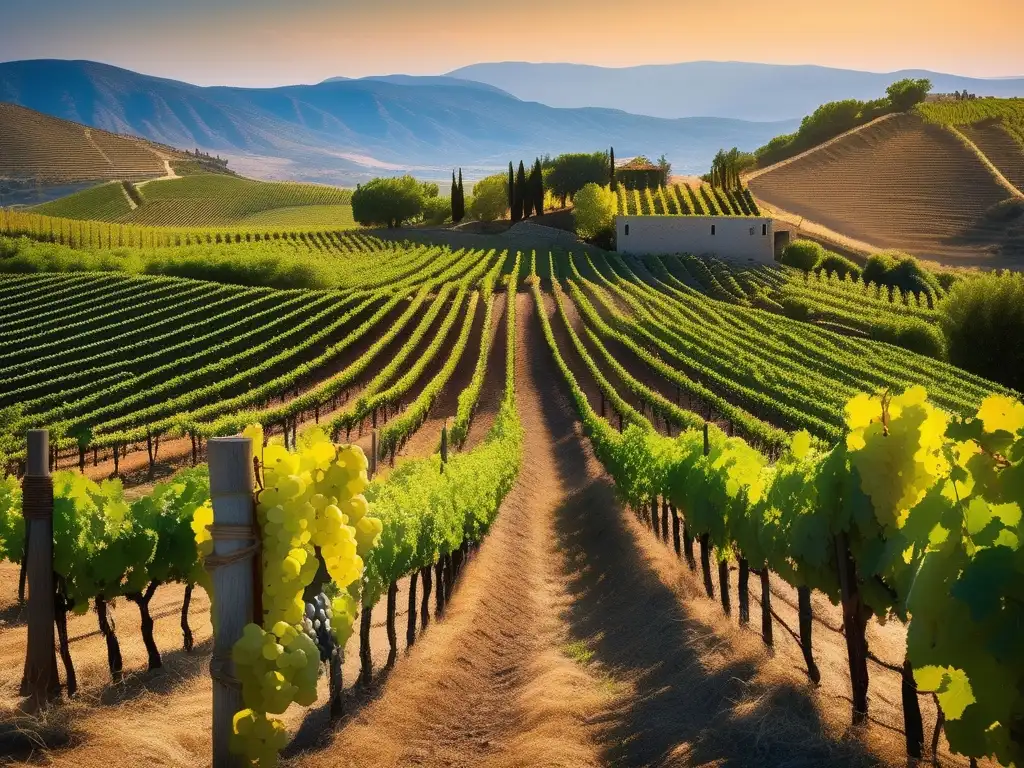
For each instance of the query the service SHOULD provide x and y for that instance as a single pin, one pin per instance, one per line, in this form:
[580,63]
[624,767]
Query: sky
[263,43]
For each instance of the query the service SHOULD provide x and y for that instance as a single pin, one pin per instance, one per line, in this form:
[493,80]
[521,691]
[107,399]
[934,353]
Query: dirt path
[493,683]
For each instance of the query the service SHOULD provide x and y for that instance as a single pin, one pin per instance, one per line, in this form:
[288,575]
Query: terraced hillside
[900,183]
[208,200]
[54,151]
[999,146]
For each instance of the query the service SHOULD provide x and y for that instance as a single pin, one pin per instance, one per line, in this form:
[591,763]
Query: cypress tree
[611,174]
[538,187]
[522,193]
[512,195]
[455,200]
[462,198]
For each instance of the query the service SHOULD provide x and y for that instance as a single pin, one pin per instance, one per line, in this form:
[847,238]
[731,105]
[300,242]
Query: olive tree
[388,202]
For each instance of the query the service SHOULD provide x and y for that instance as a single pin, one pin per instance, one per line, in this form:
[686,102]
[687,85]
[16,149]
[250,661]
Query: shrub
[594,212]
[1006,210]
[840,265]
[802,254]
[797,309]
[903,271]
[983,319]
[911,333]
[437,210]
[490,198]
[388,202]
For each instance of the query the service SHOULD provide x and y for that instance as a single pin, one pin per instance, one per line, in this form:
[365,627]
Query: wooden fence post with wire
[40,682]
[235,542]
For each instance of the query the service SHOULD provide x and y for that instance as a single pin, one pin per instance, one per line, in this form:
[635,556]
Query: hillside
[53,151]
[996,126]
[208,200]
[741,90]
[899,183]
[346,131]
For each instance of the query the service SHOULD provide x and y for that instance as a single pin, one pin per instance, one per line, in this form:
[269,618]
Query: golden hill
[904,183]
[47,150]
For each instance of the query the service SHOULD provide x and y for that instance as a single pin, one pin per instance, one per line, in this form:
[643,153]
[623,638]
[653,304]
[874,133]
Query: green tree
[571,172]
[983,319]
[666,169]
[388,202]
[537,183]
[430,189]
[462,200]
[522,194]
[905,94]
[594,210]
[512,195]
[490,198]
[611,171]
[438,210]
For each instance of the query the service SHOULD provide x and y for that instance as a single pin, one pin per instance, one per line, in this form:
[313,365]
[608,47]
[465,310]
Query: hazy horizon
[261,43]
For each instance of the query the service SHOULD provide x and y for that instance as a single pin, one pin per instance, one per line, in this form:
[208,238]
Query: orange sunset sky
[259,42]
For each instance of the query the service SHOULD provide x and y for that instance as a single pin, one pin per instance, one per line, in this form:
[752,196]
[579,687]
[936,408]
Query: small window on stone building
[712,229]
[751,230]
[627,230]
[764,230]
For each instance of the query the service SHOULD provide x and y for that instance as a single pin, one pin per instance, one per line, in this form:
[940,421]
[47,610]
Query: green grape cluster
[311,499]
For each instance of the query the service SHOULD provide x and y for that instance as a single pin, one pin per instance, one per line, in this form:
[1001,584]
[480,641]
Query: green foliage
[910,333]
[833,263]
[983,319]
[836,117]
[906,94]
[388,202]
[205,199]
[569,173]
[490,198]
[223,265]
[900,270]
[437,210]
[1009,113]
[803,254]
[594,210]
[430,189]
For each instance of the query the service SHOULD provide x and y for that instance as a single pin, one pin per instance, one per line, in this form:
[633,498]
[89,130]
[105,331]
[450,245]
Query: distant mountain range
[345,131]
[724,89]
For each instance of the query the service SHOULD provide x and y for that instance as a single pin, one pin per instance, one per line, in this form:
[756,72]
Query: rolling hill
[907,183]
[346,131]
[745,91]
[208,200]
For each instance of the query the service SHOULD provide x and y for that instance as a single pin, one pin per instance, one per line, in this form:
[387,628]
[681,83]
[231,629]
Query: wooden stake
[231,572]
[40,682]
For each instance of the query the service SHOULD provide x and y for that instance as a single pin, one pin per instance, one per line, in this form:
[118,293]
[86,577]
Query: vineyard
[908,183]
[684,200]
[208,200]
[50,150]
[480,477]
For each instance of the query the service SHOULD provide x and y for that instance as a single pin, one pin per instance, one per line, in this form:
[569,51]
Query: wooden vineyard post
[40,682]
[235,541]
[654,515]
